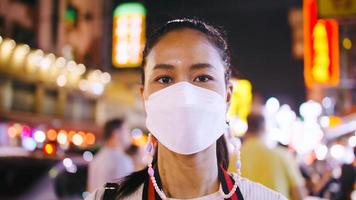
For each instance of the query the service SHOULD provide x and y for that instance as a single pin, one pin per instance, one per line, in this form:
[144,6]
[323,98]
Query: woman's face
[185,55]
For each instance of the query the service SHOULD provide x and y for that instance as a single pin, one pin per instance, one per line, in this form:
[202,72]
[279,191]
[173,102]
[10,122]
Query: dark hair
[255,123]
[216,36]
[110,127]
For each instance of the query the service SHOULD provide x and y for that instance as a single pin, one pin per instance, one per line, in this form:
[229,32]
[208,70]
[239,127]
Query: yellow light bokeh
[19,56]
[140,141]
[321,62]
[241,99]
[334,121]
[49,149]
[6,49]
[128,39]
[346,42]
[77,139]
[33,61]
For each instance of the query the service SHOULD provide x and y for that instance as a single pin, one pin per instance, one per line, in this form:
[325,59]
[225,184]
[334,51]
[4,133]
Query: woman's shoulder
[99,193]
[250,190]
[253,190]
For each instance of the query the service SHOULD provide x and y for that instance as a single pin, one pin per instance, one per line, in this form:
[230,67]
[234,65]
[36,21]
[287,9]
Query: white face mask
[185,118]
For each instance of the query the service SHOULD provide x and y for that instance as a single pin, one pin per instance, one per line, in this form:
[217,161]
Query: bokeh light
[39,136]
[89,139]
[62,137]
[51,135]
[49,149]
[77,139]
[88,156]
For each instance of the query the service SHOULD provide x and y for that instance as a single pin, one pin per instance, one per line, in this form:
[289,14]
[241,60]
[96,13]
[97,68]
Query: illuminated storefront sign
[336,8]
[128,35]
[321,53]
[241,99]
[240,106]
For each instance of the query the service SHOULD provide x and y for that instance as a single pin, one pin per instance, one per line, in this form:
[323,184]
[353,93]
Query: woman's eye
[164,80]
[203,78]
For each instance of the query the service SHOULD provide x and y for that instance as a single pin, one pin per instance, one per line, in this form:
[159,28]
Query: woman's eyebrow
[192,67]
[201,66]
[163,66]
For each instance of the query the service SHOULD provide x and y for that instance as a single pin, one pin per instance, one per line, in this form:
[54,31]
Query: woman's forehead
[185,46]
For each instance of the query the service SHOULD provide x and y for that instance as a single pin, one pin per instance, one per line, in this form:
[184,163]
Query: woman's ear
[229,90]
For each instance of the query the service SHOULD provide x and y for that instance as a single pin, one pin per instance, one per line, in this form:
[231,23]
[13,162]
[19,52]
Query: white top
[108,165]
[249,190]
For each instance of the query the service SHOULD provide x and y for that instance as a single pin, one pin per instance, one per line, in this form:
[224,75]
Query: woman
[186,90]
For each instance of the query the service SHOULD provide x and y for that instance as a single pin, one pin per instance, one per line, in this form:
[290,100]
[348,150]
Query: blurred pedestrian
[348,179]
[137,155]
[111,162]
[266,166]
[297,188]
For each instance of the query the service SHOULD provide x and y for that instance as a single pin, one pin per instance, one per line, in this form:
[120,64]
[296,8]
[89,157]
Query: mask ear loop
[150,151]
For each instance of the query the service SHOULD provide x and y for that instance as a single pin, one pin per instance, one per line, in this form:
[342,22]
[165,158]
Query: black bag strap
[110,191]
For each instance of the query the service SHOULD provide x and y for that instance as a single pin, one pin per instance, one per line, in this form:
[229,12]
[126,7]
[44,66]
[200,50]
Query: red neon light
[331,27]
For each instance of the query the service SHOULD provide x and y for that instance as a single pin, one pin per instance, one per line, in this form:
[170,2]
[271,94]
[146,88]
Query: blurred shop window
[50,102]
[23,97]
[80,108]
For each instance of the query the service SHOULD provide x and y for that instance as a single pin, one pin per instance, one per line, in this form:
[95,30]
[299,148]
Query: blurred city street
[68,67]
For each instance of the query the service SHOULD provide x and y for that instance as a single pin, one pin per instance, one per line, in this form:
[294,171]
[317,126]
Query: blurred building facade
[55,71]
[67,66]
